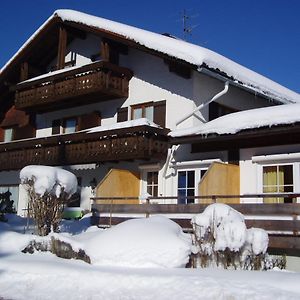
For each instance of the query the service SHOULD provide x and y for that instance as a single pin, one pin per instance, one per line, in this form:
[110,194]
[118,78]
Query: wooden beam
[104,51]
[62,46]
[24,71]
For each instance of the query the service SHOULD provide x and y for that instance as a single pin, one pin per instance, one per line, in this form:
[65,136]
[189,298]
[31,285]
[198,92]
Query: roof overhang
[260,137]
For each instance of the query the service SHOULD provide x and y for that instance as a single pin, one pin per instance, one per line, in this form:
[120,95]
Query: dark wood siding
[122,114]
[89,120]
[160,113]
[1,134]
[24,132]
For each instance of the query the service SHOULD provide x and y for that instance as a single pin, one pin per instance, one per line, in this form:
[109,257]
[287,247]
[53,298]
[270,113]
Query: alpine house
[131,112]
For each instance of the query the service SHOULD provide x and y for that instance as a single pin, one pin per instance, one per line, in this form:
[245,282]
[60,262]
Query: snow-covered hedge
[49,189]
[222,239]
[50,180]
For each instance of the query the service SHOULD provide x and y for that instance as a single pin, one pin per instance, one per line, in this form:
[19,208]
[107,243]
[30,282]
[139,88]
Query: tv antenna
[186,23]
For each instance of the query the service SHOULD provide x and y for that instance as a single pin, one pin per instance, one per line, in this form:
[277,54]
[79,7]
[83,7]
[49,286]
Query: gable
[193,56]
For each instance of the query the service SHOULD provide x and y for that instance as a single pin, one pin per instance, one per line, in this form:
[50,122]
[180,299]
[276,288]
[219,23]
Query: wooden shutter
[1,134]
[89,120]
[122,115]
[159,117]
[24,132]
[56,126]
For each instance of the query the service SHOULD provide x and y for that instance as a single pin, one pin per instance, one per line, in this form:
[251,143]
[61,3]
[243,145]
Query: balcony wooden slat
[111,145]
[100,80]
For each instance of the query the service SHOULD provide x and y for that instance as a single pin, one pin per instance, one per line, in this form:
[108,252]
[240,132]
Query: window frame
[152,184]
[293,185]
[187,188]
[142,106]
[12,134]
[64,122]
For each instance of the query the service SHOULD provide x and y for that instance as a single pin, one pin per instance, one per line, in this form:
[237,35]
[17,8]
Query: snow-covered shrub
[154,242]
[49,189]
[222,239]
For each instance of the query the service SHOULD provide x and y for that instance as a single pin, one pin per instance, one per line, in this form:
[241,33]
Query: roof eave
[224,77]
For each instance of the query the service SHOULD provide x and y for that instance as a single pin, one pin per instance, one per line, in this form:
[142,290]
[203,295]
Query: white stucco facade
[152,82]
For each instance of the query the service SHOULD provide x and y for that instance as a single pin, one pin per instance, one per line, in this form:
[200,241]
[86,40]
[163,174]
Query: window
[217,110]
[8,134]
[71,59]
[14,190]
[186,186]
[152,183]
[278,179]
[70,125]
[145,110]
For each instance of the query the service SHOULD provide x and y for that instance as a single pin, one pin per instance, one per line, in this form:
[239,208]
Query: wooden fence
[281,220]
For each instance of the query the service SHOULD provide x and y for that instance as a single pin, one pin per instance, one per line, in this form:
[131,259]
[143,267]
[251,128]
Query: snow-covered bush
[155,242]
[222,239]
[49,189]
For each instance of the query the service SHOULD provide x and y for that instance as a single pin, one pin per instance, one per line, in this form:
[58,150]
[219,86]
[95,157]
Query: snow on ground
[248,119]
[44,276]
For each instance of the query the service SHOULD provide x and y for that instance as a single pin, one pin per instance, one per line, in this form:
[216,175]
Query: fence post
[110,211]
[214,198]
[147,205]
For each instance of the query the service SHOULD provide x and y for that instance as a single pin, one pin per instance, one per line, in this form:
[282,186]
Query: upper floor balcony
[97,81]
[139,141]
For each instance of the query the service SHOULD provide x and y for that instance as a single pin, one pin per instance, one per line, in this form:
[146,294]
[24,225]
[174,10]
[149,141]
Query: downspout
[202,105]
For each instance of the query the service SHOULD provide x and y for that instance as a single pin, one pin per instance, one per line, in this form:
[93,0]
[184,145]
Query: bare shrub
[45,210]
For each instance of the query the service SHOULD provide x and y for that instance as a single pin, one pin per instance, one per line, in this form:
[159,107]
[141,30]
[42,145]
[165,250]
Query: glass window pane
[181,196]
[191,179]
[270,189]
[137,113]
[288,174]
[270,175]
[155,191]
[8,134]
[149,189]
[202,173]
[155,177]
[149,178]
[182,179]
[70,126]
[149,113]
[288,189]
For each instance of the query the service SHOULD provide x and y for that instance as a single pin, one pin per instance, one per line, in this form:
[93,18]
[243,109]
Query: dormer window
[145,110]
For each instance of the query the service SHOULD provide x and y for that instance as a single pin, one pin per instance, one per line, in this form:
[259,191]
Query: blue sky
[263,35]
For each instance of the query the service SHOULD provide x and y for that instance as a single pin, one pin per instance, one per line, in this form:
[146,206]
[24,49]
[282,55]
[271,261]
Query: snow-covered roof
[122,125]
[243,120]
[179,49]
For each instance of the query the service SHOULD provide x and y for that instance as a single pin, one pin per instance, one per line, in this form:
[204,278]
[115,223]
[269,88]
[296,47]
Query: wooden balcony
[139,142]
[98,81]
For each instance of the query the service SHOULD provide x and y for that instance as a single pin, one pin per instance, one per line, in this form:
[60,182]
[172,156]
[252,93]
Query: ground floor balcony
[133,143]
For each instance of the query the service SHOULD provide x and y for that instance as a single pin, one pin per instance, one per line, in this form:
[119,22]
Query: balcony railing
[97,81]
[139,142]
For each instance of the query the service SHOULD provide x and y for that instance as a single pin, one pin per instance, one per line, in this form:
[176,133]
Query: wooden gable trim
[62,46]
[24,71]
[25,51]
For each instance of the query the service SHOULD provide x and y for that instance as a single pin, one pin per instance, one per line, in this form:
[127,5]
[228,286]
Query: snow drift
[150,242]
